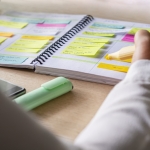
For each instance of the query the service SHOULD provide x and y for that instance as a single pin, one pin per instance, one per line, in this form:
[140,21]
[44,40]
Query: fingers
[142,45]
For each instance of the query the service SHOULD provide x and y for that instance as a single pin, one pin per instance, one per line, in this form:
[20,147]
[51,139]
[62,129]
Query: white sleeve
[123,121]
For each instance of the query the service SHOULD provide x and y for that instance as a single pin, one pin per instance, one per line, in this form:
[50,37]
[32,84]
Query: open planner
[73,46]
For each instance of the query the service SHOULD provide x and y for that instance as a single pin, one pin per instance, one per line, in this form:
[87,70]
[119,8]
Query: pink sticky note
[128,38]
[52,25]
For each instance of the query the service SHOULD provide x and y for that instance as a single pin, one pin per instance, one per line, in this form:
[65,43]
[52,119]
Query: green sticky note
[56,21]
[91,40]
[113,26]
[98,34]
[28,20]
[5,59]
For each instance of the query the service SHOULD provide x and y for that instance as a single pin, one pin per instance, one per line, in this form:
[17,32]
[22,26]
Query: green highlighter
[45,93]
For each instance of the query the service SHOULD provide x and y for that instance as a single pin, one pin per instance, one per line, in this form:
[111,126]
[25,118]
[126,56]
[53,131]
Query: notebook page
[29,30]
[79,59]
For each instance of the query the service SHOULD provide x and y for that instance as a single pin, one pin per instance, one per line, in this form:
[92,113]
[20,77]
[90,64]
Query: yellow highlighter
[123,54]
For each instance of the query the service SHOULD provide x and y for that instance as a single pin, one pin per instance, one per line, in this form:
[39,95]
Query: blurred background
[129,10]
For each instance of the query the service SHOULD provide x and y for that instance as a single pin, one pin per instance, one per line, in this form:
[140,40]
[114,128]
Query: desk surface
[70,113]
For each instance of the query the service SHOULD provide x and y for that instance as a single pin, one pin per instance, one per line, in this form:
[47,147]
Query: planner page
[25,35]
[85,55]
[120,35]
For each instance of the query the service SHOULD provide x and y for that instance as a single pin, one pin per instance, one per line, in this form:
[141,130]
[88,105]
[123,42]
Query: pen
[46,92]
[123,54]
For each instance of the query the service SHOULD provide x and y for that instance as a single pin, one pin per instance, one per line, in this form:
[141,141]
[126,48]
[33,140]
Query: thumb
[142,45]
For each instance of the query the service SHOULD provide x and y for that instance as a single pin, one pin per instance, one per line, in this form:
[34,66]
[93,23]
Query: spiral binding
[65,38]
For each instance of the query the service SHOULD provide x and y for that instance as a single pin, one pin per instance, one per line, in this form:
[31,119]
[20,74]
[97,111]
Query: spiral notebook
[73,46]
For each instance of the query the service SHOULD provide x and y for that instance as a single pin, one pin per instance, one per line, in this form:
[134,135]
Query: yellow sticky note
[26,41]
[81,48]
[11,24]
[34,37]
[98,34]
[23,50]
[6,34]
[28,45]
[81,53]
[92,40]
[2,39]
[134,30]
[84,51]
[85,44]
[113,67]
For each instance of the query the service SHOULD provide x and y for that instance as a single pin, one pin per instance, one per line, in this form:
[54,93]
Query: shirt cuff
[139,71]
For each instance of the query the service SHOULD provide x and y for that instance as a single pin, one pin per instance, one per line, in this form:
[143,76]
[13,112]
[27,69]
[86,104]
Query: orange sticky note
[6,34]
[34,37]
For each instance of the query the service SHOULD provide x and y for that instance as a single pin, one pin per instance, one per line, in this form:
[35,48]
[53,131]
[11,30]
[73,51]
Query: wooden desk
[70,113]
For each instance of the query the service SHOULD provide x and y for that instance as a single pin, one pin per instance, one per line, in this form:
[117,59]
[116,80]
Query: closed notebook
[73,46]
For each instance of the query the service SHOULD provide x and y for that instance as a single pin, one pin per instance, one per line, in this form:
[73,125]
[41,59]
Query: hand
[142,45]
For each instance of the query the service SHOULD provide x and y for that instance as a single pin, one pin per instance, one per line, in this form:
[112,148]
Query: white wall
[131,10]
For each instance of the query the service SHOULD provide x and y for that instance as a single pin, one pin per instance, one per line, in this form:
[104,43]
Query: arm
[123,121]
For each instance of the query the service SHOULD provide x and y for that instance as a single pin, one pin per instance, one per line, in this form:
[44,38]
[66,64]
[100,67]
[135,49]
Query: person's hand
[142,45]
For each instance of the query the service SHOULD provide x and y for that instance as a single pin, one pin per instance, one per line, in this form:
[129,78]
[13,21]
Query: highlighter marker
[45,93]
[123,54]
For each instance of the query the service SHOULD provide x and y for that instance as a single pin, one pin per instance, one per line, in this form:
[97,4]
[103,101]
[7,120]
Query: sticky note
[128,38]
[6,34]
[134,30]
[52,25]
[108,30]
[81,53]
[44,31]
[2,39]
[57,21]
[5,59]
[86,44]
[98,34]
[26,41]
[92,40]
[81,48]
[108,26]
[84,51]
[28,45]
[34,37]
[12,24]
[113,67]
[23,50]
[28,20]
